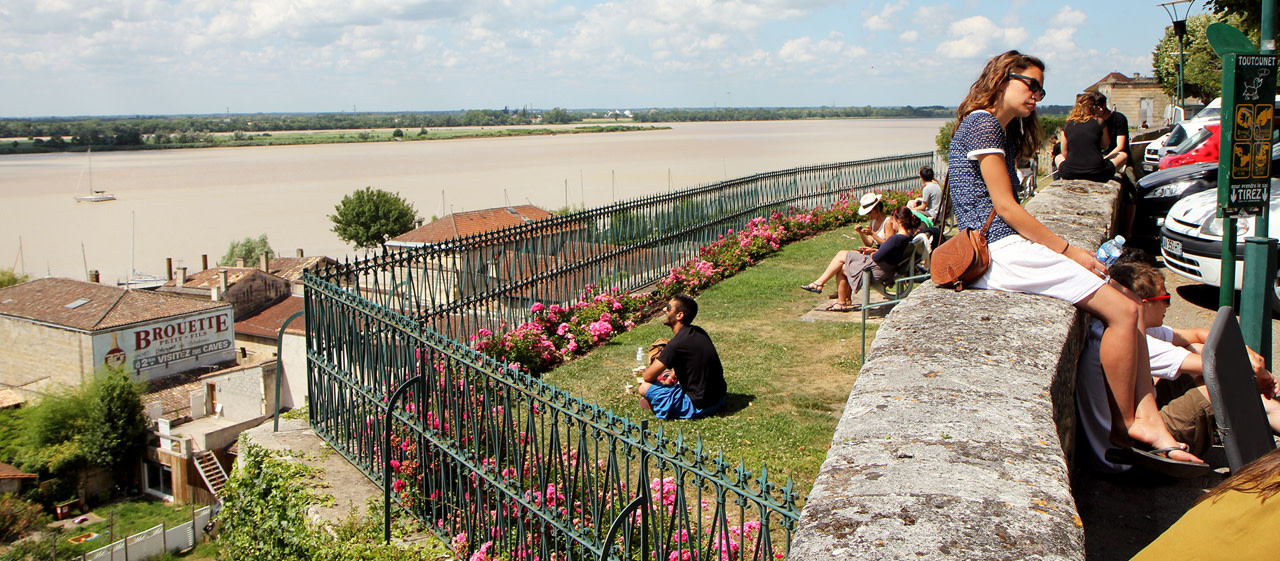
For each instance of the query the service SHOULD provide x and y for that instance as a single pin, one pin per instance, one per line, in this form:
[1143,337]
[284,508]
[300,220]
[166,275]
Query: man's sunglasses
[1037,90]
[1162,298]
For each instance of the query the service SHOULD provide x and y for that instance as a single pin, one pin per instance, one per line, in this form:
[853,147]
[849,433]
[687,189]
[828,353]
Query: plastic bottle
[1110,251]
[640,357]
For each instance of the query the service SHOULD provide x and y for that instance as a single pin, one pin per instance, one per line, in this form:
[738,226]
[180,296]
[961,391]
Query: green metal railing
[486,280]
[493,459]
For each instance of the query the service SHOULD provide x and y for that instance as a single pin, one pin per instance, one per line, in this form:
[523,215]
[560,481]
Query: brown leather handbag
[963,259]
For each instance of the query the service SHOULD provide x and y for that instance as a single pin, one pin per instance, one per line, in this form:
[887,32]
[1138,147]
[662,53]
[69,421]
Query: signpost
[1244,178]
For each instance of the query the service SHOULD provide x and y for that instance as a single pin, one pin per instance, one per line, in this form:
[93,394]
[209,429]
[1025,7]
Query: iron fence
[495,460]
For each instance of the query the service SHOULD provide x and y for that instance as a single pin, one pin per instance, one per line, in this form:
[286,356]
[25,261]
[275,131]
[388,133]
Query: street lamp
[1180,30]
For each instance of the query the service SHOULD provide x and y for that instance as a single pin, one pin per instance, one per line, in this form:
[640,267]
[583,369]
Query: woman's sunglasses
[1037,90]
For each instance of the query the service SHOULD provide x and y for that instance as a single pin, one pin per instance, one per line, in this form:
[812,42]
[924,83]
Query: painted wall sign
[148,349]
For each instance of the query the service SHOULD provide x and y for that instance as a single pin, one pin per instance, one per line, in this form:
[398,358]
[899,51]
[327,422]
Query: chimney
[204,262]
[240,262]
[168,268]
[222,284]
[93,275]
[418,221]
[300,255]
[182,276]
[262,262]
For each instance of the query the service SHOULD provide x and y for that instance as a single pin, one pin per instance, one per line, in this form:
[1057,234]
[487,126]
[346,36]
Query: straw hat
[868,202]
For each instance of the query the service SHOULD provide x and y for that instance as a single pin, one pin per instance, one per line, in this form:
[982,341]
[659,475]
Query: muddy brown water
[184,203]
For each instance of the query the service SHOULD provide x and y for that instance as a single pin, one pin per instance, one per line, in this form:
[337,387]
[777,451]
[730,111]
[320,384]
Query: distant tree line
[192,128]
[788,113]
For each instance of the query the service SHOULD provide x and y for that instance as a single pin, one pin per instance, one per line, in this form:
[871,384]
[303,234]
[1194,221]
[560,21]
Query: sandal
[814,288]
[841,307]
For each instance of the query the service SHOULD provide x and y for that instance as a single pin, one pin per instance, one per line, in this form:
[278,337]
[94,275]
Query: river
[183,203]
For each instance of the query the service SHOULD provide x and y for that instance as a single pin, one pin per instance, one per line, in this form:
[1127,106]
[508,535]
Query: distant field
[286,138]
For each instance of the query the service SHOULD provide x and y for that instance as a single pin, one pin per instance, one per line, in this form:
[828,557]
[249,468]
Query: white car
[1191,239]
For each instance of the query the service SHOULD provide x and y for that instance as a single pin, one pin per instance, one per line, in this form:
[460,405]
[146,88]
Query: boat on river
[94,196]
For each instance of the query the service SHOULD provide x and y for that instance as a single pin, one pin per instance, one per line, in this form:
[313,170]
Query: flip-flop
[812,288]
[838,307]
[1158,461]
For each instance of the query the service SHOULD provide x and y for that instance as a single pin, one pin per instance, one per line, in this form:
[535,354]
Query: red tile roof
[87,306]
[9,472]
[291,268]
[461,224]
[206,280]
[9,398]
[267,322]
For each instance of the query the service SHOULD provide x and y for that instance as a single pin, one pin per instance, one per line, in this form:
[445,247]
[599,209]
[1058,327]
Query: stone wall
[36,357]
[957,436]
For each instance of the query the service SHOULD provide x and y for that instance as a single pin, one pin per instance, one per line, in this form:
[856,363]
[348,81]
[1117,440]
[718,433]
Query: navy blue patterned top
[979,133]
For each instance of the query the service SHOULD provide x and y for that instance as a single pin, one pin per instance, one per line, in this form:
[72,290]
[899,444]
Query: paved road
[1195,304]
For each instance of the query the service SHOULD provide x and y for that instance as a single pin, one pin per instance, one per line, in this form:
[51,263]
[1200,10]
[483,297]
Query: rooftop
[267,322]
[87,306]
[462,224]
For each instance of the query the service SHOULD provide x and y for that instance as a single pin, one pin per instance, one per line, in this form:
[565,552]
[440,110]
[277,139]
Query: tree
[10,278]
[264,514]
[117,423]
[1248,12]
[370,217]
[248,249]
[1202,75]
[398,133]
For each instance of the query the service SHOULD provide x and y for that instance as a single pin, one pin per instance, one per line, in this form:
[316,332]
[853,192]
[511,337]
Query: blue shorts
[670,402]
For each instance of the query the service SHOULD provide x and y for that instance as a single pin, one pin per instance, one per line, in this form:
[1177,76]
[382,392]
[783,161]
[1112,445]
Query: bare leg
[1127,366]
[644,390]
[844,292]
[833,268]
[1272,407]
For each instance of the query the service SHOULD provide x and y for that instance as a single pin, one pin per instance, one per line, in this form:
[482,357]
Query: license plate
[1149,167]
[1172,247]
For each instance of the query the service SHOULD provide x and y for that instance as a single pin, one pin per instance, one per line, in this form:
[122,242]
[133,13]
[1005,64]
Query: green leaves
[368,218]
[247,249]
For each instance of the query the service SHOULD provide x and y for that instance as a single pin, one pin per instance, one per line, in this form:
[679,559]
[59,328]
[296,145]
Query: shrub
[17,517]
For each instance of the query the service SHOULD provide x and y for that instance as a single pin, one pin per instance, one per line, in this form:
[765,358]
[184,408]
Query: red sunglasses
[1161,298]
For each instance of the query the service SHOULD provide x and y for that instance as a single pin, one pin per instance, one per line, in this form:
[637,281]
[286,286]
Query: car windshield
[1176,136]
[1191,142]
[1210,113]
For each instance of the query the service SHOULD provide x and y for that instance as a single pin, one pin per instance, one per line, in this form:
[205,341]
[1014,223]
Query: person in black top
[1118,126]
[902,225]
[1084,141]
[700,388]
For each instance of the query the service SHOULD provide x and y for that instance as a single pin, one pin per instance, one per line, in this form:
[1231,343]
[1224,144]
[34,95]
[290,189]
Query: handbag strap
[986,227]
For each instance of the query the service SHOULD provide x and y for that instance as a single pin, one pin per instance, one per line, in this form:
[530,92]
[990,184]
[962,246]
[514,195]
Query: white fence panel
[146,544]
[179,537]
[113,552]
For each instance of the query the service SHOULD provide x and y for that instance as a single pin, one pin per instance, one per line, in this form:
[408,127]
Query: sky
[160,57]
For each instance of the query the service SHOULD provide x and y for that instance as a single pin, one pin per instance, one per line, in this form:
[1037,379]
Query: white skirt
[1021,265]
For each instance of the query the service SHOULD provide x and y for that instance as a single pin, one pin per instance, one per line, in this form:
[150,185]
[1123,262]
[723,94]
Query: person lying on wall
[699,388]
[883,262]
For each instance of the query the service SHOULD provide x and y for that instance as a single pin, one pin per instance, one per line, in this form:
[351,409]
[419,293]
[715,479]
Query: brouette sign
[149,350]
[1248,110]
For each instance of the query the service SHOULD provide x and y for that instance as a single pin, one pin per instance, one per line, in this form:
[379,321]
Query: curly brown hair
[1086,108]
[988,90]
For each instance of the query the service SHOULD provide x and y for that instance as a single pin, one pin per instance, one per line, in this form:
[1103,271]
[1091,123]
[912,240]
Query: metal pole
[280,364]
[386,456]
[1258,288]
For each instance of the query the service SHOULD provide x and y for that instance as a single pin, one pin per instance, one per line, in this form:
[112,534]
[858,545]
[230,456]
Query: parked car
[1160,147]
[1199,147]
[1157,192]
[1191,239]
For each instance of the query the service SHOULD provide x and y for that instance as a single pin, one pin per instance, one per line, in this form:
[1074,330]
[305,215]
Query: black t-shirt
[1118,126]
[1084,151]
[697,364]
[892,250]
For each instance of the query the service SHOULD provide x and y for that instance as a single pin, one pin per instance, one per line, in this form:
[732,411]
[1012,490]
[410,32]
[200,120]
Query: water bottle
[640,356]
[1110,251]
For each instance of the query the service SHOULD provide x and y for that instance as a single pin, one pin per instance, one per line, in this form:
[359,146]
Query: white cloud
[884,19]
[831,50]
[974,36]
[910,36]
[1058,44]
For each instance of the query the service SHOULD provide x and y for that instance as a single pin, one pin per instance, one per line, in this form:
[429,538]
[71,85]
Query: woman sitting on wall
[1084,141]
[883,262]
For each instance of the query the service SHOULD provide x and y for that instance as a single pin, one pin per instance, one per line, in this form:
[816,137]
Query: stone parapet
[957,437]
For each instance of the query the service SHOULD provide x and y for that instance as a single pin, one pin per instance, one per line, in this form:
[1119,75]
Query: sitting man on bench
[699,389]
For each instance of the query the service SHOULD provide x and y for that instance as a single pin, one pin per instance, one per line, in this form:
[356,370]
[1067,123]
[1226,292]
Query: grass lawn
[130,517]
[788,379]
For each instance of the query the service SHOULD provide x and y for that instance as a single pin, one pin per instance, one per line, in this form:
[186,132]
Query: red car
[1199,147]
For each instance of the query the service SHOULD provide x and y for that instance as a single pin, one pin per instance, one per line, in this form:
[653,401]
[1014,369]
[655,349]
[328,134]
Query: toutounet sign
[176,344]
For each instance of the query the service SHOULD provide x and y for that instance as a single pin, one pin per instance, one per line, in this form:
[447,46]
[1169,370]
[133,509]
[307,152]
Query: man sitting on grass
[699,389]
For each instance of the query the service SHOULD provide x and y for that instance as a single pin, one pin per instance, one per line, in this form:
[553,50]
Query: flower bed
[554,334]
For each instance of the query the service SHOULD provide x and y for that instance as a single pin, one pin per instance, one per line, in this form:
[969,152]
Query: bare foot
[1156,436]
